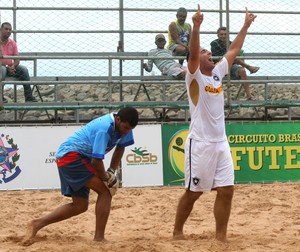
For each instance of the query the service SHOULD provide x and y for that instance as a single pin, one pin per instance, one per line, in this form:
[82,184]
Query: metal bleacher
[142,82]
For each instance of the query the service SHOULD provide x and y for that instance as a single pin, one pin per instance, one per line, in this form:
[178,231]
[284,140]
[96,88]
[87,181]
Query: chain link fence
[97,26]
[130,26]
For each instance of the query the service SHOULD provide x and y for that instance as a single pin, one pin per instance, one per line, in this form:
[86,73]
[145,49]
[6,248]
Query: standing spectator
[11,67]
[208,161]
[167,66]
[179,35]
[80,166]
[237,71]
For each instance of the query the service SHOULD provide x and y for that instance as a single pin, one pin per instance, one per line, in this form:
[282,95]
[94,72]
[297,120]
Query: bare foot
[27,242]
[30,234]
[178,236]
[222,239]
[100,240]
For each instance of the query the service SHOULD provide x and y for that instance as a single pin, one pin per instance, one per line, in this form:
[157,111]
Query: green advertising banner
[173,141]
[261,152]
[265,152]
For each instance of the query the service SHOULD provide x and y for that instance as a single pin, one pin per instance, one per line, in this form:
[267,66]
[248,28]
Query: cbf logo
[176,153]
[8,159]
[141,156]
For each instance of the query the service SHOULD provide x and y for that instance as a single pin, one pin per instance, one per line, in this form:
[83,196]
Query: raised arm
[238,42]
[194,60]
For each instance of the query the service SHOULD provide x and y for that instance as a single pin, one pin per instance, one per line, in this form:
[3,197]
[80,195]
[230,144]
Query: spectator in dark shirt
[237,71]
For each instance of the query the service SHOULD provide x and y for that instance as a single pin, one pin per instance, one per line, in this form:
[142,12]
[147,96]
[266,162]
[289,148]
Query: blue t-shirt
[95,139]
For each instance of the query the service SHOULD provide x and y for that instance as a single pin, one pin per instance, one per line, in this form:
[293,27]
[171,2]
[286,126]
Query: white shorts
[207,165]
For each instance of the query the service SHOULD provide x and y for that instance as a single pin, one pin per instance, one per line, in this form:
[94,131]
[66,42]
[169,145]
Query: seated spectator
[237,71]
[179,35]
[167,66]
[11,67]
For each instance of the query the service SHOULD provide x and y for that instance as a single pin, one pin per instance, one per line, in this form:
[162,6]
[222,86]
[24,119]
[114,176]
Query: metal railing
[111,81]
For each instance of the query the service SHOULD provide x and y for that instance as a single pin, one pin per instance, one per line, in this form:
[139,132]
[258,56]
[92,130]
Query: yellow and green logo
[176,152]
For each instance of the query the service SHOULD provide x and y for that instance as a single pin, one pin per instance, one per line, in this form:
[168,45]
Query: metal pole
[227,23]
[120,49]
[121,42]
[227,45]
[221,13]
[110,79]
[121,26]
[15,19]
[15,39]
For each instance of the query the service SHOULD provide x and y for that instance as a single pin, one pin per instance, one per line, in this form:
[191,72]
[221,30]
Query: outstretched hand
[198,17]
[249,18]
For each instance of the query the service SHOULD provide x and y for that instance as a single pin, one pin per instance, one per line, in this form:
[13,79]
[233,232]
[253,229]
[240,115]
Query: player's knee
[225,192]
[192,196]
[83,208]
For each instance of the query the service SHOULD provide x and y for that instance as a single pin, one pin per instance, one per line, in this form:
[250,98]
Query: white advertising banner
[27,157]
[142,163]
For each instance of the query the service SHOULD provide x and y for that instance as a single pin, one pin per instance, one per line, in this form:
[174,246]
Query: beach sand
[265,217]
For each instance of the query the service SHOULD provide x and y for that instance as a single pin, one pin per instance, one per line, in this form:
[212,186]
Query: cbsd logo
[141,157]
[176,151]
[8,158]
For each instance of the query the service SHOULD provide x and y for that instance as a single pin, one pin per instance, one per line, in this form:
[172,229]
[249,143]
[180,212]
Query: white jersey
[207,116]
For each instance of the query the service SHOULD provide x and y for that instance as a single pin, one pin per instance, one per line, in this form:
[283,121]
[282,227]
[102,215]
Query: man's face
[122,128]
[160,43]
[222,35]
[6,31]
[206,58]
[181,17]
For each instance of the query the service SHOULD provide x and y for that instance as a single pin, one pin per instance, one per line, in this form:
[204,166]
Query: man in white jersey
[208,162]
[81,168]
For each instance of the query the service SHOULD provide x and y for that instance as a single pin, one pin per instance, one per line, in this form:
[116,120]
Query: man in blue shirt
[81,168]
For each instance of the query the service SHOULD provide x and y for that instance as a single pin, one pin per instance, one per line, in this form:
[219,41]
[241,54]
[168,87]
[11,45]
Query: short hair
[182,9]
[130,115]
[223,28]
[5,23]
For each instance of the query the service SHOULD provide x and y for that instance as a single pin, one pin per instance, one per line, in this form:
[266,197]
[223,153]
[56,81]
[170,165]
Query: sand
[265,217]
